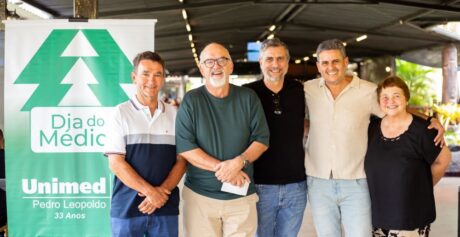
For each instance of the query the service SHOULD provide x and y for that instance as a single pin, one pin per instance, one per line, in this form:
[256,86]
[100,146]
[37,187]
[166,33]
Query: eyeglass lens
[220,61]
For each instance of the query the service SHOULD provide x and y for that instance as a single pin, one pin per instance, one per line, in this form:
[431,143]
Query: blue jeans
[280,209]
[148,226]
[338,201]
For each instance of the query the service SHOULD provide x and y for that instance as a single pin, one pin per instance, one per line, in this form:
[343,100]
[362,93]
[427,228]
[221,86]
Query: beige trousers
[205,216]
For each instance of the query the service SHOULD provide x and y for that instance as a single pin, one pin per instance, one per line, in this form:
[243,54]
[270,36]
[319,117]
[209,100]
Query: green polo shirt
[223,128]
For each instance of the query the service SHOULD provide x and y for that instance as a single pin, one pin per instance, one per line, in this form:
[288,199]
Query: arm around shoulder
[434,123]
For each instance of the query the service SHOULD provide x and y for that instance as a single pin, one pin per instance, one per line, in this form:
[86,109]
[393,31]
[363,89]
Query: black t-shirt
[283,162]
[399,176]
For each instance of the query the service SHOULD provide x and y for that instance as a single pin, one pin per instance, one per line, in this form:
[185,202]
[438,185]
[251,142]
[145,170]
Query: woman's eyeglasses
[276,101]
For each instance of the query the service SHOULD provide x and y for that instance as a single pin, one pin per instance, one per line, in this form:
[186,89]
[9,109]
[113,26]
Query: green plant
[420,85]
[449,116]
[452,138]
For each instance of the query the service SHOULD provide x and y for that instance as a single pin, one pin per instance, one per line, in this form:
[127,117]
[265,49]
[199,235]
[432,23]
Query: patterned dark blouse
[399,176]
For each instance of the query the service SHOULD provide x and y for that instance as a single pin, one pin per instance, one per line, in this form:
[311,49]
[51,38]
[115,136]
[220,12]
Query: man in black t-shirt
[279,174]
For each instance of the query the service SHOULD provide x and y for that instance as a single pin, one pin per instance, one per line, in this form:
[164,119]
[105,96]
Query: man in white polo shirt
[142,154]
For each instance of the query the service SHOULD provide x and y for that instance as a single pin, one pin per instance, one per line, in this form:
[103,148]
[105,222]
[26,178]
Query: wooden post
[449,74]
[85,9]
[375,69]
[3,10]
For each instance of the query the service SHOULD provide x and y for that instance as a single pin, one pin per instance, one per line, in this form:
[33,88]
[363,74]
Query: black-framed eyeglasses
[276,102]
[222,61]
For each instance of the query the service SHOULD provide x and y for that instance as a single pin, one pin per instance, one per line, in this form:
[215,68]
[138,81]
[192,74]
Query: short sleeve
[429,150]
[115,136]
[259,127]
[375,107]
[374,128]
[307,114]
[185,127]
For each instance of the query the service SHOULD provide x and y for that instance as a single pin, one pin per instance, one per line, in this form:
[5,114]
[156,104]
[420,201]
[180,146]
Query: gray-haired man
[280,172]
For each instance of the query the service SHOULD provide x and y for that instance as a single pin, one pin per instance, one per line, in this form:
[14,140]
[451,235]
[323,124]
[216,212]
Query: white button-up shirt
[337,139]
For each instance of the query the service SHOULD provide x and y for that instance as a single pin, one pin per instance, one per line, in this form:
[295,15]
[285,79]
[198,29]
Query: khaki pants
[205,216]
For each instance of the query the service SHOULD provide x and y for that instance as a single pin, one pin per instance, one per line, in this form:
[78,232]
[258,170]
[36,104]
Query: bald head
[216,65]
[213,47]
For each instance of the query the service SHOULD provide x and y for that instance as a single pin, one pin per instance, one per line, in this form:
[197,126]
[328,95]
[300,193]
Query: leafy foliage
[420,85]
[449,116]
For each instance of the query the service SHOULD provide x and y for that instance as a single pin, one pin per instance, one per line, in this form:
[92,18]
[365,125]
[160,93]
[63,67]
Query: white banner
[61,79]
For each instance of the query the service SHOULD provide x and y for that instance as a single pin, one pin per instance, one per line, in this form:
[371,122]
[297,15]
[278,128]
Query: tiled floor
[454,166]
[446,195]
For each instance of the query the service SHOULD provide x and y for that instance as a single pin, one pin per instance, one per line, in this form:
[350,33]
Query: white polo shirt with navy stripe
[148,143]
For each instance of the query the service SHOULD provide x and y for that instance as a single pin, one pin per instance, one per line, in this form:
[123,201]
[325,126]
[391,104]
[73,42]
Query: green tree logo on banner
[77,67]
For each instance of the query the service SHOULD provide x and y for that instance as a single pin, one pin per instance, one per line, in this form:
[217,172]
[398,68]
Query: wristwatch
[245,161]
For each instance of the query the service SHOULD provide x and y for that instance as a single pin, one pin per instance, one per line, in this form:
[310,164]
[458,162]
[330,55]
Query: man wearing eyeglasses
[280,172]
[220,130]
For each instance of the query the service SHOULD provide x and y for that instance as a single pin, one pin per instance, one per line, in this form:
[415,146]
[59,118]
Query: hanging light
[361,38]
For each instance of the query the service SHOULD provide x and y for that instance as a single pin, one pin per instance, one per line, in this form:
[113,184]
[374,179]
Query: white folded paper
[230,188]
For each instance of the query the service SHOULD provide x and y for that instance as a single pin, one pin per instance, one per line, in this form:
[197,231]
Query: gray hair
[331,44]
[274,42]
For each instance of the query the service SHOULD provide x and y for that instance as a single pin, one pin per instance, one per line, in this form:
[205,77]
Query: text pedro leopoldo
[69,209]
[66,130]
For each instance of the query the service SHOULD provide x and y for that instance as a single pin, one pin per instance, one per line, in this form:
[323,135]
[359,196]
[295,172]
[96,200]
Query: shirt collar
[355,82]
[138,106]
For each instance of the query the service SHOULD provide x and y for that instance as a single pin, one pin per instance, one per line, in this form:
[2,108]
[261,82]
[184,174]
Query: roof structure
[395,28]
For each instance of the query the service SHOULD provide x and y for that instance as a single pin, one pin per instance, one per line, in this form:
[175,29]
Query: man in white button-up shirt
[339,108]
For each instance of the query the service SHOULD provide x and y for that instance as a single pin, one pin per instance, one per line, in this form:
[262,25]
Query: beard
[218,82]
[273,78]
